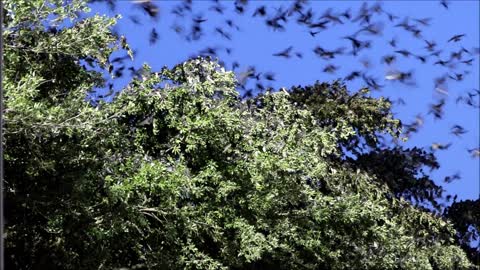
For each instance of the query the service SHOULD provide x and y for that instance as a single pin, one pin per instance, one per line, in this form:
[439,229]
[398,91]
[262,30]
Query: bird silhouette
[231,24]
[372,82]
[451,178]
[209,51]
[218,8]
[357,45]
[285,53]
[199,20]
[456,38]
[371,28]
[325,54]
[391,17]
[442,62]
[149,7]
[330,17]
[437,109]
[153,36]
[223,33]
[261,11]
[456,77]
[320,24]
[346,14]
[400,101]
[439,146]
[400,76]
[305,18]
[475,152]
[235,65]
[364,15]
[353,75]
[468,62]
[269,76]
[404,53]
[458,130]
[330,68]
[422,58]
[393,42]
[388,59]
[119,72]
[312,33]
[430,45]
[134,19]
[423,21]
[444,3]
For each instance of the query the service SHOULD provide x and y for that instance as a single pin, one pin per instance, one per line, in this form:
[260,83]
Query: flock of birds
[276,18]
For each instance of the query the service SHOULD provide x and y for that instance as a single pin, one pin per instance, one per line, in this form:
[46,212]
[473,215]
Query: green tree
[179,173]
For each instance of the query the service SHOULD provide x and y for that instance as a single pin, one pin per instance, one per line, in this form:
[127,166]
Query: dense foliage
[179,173]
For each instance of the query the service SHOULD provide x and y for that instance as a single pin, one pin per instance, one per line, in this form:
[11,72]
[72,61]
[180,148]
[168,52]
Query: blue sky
[255,43]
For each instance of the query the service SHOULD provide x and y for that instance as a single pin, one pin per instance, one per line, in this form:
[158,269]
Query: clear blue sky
[254,45]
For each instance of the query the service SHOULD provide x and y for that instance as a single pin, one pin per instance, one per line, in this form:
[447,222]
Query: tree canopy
[179,172]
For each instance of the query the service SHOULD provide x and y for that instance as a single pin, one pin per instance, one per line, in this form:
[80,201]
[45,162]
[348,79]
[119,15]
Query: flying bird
[437,109]
[218,8]
[452,178]
[313,33]
[393,42]
[430,45]
[208,51]
[235,65]
[150,8]
[372,82]
[404,53]
[357,45]
[422,58]
[388,59]
[372,29]
[119,72]
[456,38]
[269,76]
[400,101]
[321,24]
[261,11]
[346,14]
[223,33]
[329,16]
[438,146]
[458,130]
[239,9]
[468,62]
[400,76]
[441,90]
[135,20]
[153,36]
[423,21]
[353,75]
[444,3]
[325,54]
[285,53]
[475,152]
[199,20]
[231,24]
[391,17]
[330,69]
[457,77]
[442,62]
